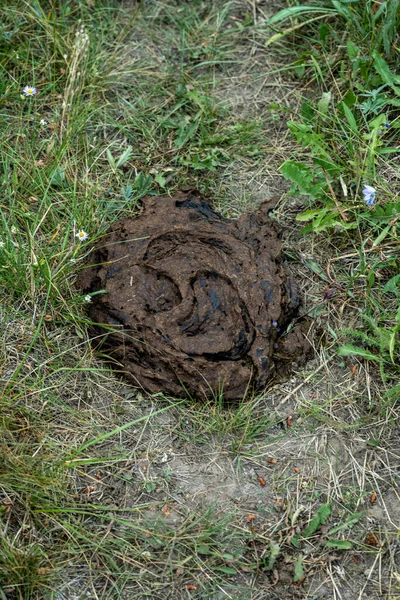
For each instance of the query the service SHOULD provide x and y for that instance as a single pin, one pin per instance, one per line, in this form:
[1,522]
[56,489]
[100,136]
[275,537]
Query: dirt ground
[265,466]
[316,442]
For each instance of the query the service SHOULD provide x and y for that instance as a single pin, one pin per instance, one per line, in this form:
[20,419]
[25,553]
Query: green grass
[349,137]
[133,101]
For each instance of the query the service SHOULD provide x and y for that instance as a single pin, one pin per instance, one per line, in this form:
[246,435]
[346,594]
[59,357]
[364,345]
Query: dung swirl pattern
[193,302]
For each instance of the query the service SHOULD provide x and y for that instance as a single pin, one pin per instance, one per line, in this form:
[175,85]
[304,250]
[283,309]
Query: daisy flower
[29,90]
[82,235]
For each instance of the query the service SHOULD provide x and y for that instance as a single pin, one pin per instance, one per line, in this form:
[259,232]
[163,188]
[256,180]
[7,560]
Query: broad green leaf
[331,168]
[57,177]
[350,521]
[346,226]
[320,519]
[377,123]
[308,215]
[392,285]
[186,134]
[350,350]
[350,98]
[304,129]
[352,50]
[373,442]
[110,158]
[323,513]
[388,150]
[382,235]
[228,556]
[306,229]
[298,173]
[384,71]
[295,541]
[125,156]
[142,184]
[325,222]
[160,179]
[298,569]
[339,544]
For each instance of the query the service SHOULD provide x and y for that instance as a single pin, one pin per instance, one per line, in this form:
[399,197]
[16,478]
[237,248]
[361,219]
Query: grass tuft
[108,493]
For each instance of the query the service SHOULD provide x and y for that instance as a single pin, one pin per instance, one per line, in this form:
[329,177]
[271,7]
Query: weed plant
[350,139]
[91,121]
[102,104]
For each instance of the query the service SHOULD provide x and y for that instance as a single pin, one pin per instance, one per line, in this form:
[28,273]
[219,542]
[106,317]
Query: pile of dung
[193,302]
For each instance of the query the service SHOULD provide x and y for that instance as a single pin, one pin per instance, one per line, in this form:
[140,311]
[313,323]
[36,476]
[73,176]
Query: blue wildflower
[369,194]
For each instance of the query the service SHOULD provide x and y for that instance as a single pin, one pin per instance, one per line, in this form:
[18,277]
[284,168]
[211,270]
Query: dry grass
[107,492]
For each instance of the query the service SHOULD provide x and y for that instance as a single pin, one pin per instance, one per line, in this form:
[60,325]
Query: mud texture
[194,301]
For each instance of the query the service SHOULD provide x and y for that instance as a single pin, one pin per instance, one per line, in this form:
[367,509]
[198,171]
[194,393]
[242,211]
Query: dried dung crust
[196,300]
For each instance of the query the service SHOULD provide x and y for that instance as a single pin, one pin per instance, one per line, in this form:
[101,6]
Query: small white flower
[29,90]
[82,235]
[13,229]
[87,299]
[43,122]
[2,244]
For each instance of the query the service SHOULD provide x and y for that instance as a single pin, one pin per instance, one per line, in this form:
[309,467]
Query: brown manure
[194,301]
